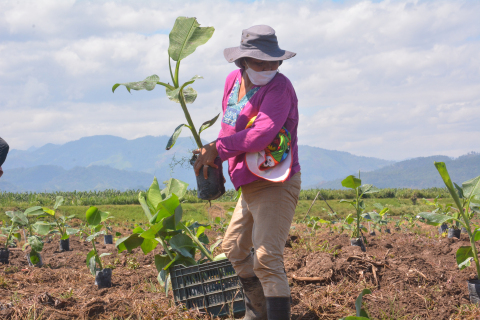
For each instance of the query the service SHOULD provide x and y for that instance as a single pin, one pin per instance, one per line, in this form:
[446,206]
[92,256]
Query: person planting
[258,137]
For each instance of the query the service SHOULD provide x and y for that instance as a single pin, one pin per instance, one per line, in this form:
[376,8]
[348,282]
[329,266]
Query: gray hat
[259,42]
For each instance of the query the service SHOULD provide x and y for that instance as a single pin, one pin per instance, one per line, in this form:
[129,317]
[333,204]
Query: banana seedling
[447,209]
[30,224]
[185,36]
[353,221]
[95,218]
[60,221]
[11,232]
[179,240]
[465,198]
[377,219]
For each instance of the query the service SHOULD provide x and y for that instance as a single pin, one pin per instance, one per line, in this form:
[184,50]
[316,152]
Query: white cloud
[391,79]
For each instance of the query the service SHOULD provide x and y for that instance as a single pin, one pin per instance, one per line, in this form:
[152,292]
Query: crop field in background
[95,198]
[204,212]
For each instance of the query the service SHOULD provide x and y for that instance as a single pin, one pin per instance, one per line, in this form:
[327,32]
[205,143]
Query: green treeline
[114,197]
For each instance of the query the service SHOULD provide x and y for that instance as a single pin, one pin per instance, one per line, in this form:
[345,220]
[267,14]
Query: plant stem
[358,213]
[177,71]
[199,244]
[59,228]
[171,74]
[189,119]
[9,235]
[472,240]
[165,247]
[96,255]
[166,85]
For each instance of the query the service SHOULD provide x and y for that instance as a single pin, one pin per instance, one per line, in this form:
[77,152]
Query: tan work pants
[262,220]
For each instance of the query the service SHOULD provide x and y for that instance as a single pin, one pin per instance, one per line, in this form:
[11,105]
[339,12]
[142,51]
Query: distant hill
[145,155]
[417,173]
[54,178]
[320,165]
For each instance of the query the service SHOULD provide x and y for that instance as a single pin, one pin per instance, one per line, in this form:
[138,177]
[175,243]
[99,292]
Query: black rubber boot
[255,305]
[278,308]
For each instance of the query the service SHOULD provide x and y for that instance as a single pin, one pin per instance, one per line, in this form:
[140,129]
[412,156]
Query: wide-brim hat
[259,42]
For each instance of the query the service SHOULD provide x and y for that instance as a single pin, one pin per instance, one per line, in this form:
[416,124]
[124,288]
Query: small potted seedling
[453,230]
[13,233]
[24,220]
[103,277]
[410,220]
[108,237]
[354,221]
[185,37]
[464,198]
[60,223]
[314,223]
[377,219]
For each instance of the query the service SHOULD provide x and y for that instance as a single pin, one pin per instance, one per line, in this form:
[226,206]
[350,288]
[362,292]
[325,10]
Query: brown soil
[411,276]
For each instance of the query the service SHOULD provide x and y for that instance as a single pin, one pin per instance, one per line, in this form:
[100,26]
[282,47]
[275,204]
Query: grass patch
[132,213]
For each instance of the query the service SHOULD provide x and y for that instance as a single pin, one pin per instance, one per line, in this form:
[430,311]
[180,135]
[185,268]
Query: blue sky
[389,79]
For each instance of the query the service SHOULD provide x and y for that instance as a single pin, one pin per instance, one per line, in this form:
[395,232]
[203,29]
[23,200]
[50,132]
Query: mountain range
[109,162]
[418,173]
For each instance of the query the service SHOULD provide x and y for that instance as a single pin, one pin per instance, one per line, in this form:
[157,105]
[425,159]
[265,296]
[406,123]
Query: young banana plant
[464,198]
[355,183]
[179,240]
[185,37]
[94,219]
[30,224]
[60,221]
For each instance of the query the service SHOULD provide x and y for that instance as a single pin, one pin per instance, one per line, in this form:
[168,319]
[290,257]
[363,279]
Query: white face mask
[260,78]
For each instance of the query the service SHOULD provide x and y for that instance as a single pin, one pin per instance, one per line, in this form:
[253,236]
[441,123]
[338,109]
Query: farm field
[409,267]
[411,272]
[203,212]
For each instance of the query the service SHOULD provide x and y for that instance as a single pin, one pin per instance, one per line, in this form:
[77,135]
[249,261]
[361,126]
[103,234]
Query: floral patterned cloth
[234,107]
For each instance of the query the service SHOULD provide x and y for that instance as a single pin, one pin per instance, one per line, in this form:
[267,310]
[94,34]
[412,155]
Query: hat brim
[279,173]
[235,53]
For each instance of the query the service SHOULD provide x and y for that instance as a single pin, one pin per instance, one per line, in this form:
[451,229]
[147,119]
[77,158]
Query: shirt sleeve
[271,117]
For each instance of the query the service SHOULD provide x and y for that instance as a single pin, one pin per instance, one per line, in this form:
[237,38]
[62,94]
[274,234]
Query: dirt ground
[412,275]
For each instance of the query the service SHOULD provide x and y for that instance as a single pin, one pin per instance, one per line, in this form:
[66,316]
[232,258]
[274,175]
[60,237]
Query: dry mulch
[411,275]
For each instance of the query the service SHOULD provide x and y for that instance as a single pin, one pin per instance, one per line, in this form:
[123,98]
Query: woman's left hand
[206,158]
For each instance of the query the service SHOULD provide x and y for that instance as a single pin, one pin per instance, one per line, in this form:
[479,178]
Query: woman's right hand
[206,158]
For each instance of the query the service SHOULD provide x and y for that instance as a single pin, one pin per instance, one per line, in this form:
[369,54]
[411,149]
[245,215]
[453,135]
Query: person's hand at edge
[206,158]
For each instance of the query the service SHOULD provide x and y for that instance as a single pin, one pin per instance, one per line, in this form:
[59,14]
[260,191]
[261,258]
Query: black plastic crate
[213,287]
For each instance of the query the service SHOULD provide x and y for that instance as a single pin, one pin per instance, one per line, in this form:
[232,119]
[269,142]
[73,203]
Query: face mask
[260,78]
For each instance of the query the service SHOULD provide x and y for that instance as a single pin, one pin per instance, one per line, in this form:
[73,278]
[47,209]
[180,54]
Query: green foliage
[92,231]
[462,196]
[60,222]
[353,222]
[361,314]
[180,240]
[116,197]
[185,36]
[377,219]
[29,220]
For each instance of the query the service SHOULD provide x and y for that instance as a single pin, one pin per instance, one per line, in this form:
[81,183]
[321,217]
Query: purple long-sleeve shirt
[275,106]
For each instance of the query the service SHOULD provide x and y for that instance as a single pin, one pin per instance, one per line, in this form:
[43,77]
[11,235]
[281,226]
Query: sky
[386,79]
